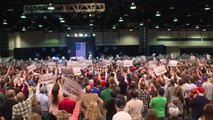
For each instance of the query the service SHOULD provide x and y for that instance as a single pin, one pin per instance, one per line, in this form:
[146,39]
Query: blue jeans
[145,113]
[45,115]
[161,118]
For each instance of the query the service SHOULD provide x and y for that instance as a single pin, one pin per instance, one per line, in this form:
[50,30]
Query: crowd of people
[109,91]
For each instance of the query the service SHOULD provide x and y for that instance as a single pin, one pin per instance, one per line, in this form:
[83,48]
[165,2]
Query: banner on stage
[72,88]
[160,70]
[46,78]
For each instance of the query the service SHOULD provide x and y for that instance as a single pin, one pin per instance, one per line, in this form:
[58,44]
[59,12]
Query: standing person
[106,94]
[208,88]
[197,104]
[24,107]
[144,95]
[123,85]
[93,112]
[6,107]
[66,104]
[158,104]
[121,114]
[110,106]
[135,106]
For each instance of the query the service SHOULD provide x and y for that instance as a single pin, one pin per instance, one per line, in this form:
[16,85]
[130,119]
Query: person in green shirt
[106,94]
[158,104]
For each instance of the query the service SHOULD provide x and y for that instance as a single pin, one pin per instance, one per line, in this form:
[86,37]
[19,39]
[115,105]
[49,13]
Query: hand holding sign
[160,70]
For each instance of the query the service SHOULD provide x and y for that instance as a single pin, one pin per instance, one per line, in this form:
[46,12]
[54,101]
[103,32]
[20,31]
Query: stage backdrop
[80,46]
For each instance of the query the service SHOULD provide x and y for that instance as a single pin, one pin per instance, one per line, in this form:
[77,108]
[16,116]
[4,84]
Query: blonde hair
[62,115]
[93,111]
[34,116]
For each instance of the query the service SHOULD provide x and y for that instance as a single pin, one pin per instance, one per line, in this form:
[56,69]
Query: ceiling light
[156,26]
[113,27]
[197,26]
[171,8]
[85,35]
[126,15]
[157,14]
[68,35]
[50,7]
[207,7]
[23,29]
[93,34]
[187,24]
[62,21]
[4,22]
[130,30]
[204,29]
[23,16]
[175,19]
[68,28]
[141,24]
[91,20]
[169,29]
[120,19]
[10,10]
[133,6]
[189,15]
[50,31]
[90,24]
[80,35]
[45,17]
[76,35]
[61,18]
[40,25]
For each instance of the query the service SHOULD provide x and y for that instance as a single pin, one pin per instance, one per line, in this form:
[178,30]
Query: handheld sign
[51,64]
[76,70]
[31,67]
[46,78]
[160,70]
[71,64]
[72,88]
[173,63]
[120,63]
[128,63]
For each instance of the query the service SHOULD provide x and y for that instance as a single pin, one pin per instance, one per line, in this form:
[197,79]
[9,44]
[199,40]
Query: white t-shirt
[209,90]
[122,115]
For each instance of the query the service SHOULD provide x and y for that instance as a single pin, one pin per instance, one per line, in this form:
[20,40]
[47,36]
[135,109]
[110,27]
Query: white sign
[192,58]
[46,78]
[173,63]
[88,62]
[31,67]
[120,63]
[72,88]
[160,70]
[107,62]
[51,64]
[71,64]
[128,63]
[76,70]
[66,71]
[151,72]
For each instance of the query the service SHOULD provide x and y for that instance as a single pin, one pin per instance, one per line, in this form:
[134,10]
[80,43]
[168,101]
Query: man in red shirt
[67,104]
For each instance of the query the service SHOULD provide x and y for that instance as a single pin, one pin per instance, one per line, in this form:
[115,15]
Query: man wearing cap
[121,114]
[208,88]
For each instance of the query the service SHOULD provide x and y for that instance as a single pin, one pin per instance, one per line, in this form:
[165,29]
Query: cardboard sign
[76,70]
[72,88]
[51,64]
[66,71]
[107,62]
[160,70]
[128,63]
[46,78]
[102,64]
[173,63]
[31,67]
[163,60]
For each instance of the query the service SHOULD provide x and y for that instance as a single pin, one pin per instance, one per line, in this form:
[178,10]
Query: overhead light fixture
[93,34]
[197,26]
[62,21]
[172,8]
[187,24]
[76,35]
[4,22]
[23,29]
[157,14]
[61,18]
[68,35]
[120,19]
[40,25]
[207,7]
[126,15]
[189,15]
[141,24]
[169,29]
[133,6]
[85,35]
[23,16]
[50,7]
[130,30]
[113,27]
[204,29]
[45,17]
[50,31]
[80,35]
[90,24]
[156,26]
[175,19]
[68,28]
